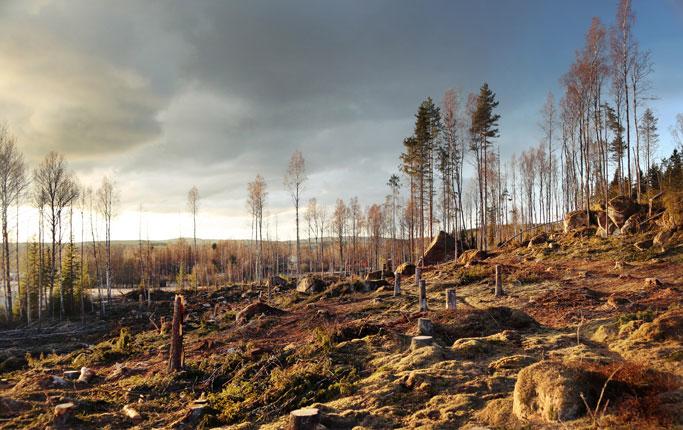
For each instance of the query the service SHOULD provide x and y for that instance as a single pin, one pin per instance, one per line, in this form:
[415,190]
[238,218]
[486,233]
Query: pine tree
[484,127]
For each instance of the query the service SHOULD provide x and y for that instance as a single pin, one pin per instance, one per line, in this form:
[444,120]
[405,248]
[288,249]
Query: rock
[643,244]
[373,285]
[132,413]
[342,288]
[194,416]
[86,375]
[276,281]
[310,284]
[652,283]
[472,255]
[442,248]
[406,269]
[538,239]
[63,412]
[576,219]
[418,342]
[257,308]
[583,232]
[551,391]
[620,208]
[378,275]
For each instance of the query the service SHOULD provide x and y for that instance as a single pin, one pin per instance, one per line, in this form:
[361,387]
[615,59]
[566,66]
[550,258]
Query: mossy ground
[348,352]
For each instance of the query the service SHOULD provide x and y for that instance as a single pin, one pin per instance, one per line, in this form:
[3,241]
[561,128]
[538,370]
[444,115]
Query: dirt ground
[584,302]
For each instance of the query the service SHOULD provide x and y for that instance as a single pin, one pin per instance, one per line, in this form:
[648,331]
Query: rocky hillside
[588,333]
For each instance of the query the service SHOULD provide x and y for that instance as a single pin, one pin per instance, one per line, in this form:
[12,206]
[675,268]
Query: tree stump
[425,327]
[176,354]
[397,284]
[423,295]
[132,413]
[86,375]
[418,275]
[304,419]
[450,299]
[63,413]
[420,341]
[499,282]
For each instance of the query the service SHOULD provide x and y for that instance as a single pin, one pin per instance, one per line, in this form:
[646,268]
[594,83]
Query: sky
[164,95]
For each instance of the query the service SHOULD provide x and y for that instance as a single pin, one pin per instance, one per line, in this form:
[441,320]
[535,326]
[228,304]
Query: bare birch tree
[294,181]
[107,202]
[12,184]
[55,183]
[193,207]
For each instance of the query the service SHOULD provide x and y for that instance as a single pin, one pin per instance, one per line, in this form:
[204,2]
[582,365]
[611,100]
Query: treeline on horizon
[599,141]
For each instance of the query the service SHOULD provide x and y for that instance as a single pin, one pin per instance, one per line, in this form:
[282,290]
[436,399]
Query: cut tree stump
[499,282]
[397,284]
[420,341]
[450,299]
[86,375]
[132,413]
[423,295]
[63,412]
[304,419]
[425,327]
[176,354]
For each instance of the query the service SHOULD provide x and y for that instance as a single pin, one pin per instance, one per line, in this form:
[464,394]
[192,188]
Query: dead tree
[176,354]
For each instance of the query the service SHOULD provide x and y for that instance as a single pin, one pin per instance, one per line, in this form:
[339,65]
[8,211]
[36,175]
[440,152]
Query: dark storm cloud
[166,94]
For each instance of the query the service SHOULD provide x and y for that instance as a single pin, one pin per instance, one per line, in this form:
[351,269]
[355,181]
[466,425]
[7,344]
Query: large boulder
[576,219]
[539,239]
[257,308]
[406,269]
[551,391]
[378,274]
[310,284]
[471,256]
[441,249]
[276,281]
[620,208]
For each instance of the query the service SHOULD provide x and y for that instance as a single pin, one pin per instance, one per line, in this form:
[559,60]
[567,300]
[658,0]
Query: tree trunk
[176,353]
